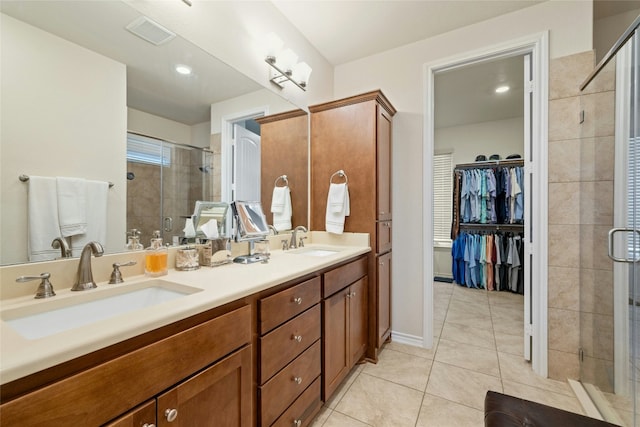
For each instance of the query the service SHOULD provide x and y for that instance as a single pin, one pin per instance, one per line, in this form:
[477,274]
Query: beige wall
[56,107]
[608,30]
[158,127]
[400,74]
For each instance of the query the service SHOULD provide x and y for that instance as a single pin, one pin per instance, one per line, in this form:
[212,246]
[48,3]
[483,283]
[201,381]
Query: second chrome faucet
[84,276]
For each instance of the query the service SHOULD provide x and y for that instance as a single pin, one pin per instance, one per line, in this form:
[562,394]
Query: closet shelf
[489,164]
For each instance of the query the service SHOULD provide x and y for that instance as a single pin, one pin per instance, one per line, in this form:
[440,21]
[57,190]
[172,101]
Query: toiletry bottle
[156,257]
[133,240]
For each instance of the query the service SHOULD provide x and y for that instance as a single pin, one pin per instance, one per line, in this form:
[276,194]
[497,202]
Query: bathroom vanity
[260,344]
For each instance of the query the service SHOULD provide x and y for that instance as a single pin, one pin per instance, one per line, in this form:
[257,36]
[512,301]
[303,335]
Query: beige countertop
[213,287]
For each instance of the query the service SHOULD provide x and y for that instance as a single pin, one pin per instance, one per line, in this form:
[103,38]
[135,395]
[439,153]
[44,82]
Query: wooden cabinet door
[384,297]
[383,164]
[335,312]
[142,416]
[358,320]
[218,396]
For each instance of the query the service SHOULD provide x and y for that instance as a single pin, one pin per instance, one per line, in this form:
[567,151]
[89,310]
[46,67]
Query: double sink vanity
[239,345]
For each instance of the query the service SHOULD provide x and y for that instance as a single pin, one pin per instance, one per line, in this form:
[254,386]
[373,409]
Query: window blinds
[442,194]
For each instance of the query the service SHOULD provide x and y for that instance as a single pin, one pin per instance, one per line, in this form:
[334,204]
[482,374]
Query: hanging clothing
[491,261]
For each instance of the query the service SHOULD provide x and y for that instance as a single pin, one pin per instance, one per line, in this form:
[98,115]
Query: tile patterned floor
[477,347]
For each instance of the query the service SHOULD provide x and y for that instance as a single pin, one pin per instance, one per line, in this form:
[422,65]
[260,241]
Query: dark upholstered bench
[502,410]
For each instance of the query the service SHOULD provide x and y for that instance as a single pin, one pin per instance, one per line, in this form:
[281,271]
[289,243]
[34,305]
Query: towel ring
[283,178]
[341,174]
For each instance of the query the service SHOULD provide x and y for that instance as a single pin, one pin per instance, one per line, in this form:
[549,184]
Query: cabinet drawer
[303,410]
[283,344]
[284,305]
[383,243]
[278,393]
[341,277]
[84,398]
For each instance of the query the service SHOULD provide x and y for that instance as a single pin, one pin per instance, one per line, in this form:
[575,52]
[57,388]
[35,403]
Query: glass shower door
[610,238]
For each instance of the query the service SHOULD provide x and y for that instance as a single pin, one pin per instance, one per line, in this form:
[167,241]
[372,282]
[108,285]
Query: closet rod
[490,227]
[490,164]
[25,178]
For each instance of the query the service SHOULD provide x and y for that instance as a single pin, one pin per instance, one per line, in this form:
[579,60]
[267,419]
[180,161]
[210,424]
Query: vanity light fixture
[284,64]
[502,89]
[183,69]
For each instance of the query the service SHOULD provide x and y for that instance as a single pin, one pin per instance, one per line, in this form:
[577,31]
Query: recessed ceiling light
[502,89]
[183,69]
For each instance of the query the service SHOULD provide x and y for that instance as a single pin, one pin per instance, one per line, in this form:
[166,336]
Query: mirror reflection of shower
[164,180]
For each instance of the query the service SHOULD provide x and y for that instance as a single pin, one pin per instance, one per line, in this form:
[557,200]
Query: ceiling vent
[150,31]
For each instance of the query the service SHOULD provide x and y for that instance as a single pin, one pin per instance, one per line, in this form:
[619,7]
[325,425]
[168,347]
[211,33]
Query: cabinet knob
[171,414]
[297,338]
[297,423]
[148,425]
[297,380]
[353,294]
[297,300]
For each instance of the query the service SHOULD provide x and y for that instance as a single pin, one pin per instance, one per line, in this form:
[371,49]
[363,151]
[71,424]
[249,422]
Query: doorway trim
[538,46]
[226,157]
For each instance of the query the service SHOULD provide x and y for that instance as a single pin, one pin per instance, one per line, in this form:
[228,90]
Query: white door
[528,180]
[246,165]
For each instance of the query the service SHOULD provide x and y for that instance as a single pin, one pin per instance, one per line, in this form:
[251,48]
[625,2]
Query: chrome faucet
[84,276]
[273,230]
[61,243]
[294,235]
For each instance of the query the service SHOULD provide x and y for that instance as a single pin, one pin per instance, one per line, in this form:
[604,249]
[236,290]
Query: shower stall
[609,232]
[164,180]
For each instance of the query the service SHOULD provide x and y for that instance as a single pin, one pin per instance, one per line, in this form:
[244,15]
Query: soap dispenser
[133,240]
[156,257]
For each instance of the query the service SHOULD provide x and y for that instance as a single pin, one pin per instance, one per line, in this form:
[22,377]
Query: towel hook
[341,174]
[283,178]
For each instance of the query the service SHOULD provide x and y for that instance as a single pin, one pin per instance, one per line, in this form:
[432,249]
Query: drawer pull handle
[297,338]
[297,380]
[148,425]
[171,414]
[297,423]
[297,300]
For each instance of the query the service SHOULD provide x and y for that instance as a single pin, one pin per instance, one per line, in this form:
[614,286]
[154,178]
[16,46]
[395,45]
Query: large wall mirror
[78,87]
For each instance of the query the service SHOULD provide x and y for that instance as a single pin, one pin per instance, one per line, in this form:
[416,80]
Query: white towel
[337,208]
[43,218]
[97,195]
[72,199]
[281,208]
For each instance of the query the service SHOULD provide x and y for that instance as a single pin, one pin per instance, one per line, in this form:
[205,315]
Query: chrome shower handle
[611,254]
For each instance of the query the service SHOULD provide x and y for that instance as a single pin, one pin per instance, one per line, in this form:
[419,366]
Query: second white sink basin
[49,317]
[315,251]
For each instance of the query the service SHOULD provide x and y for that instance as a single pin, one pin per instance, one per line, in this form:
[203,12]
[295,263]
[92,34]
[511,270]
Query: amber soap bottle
[156,257]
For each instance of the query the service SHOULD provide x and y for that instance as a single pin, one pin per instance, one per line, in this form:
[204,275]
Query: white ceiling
[343,31]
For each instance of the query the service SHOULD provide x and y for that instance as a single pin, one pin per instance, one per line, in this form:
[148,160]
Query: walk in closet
[488,225]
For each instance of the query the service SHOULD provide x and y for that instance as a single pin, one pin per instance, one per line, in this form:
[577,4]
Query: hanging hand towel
[72,199]
[337,208]
[97,195]
[42,218]
[281,208]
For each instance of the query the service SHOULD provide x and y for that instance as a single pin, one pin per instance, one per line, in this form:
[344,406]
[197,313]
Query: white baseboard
[401,338]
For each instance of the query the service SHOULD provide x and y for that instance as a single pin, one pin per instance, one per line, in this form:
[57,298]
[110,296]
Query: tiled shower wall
[580,277]
[182,184]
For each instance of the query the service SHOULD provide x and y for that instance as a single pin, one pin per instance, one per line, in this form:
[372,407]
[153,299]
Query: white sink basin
[50,317]
[314,252]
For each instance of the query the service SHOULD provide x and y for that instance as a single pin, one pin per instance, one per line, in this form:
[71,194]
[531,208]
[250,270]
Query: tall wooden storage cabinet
[354,135]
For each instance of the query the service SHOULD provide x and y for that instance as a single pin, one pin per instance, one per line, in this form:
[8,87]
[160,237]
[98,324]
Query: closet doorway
[483,112]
